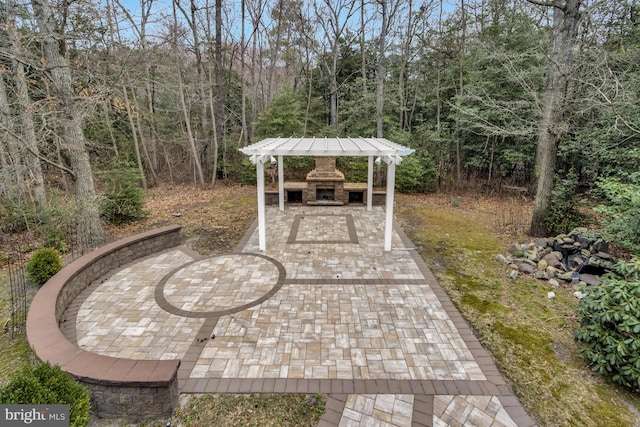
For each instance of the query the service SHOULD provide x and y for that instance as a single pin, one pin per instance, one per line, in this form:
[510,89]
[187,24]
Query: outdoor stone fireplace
[325,184]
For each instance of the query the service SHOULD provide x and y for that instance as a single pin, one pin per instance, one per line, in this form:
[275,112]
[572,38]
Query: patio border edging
[119,388]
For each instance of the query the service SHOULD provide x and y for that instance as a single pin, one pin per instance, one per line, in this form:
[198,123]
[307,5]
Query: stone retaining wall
[120,388]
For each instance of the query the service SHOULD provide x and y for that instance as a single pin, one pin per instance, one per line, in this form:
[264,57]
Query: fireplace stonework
[325,184]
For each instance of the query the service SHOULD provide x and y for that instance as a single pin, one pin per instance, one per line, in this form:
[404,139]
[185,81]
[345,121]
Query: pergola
[376,149]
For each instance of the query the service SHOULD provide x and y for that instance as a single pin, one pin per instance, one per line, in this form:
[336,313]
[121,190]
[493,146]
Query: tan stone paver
[121,319]
[470,411]
[323,309]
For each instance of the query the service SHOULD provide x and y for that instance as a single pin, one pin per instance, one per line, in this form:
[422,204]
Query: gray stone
[590,279]
[552,260]
[502,259]
[542,265]
[542,243]
[513,274]
[516,251]
[541,275]
[578,294]
[525,268]
[600,245]
[551,294]
[554,283]
[552,271]
[532,254]
[525,261]
[566,276]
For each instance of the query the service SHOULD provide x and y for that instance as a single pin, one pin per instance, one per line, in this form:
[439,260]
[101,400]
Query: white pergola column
[391,162]
[370,183]
[280,183]
[262,232]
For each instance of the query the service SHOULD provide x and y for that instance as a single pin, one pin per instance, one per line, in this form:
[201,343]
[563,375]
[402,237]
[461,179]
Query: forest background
[491,93]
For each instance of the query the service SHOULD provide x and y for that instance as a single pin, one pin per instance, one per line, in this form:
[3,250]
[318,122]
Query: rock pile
[578,258]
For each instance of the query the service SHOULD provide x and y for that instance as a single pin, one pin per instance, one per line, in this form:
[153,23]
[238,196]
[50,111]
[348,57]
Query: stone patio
[323,310]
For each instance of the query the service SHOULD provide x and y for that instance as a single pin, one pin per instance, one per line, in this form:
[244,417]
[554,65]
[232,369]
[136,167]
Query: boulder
[542,265]
[552,260]
[525,268]
[590,279]
[502,259]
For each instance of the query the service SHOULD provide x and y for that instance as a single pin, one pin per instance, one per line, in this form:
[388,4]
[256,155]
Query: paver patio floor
[323,310]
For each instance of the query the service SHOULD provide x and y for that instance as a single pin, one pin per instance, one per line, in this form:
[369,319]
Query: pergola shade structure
[376,149]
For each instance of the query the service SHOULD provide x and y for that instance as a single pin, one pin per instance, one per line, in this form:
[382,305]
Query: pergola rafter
[376,149]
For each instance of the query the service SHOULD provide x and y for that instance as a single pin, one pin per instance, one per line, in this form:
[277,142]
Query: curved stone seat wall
[120,388]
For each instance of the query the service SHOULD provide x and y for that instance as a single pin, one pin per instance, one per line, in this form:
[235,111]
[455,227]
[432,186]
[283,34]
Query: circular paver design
[220,285]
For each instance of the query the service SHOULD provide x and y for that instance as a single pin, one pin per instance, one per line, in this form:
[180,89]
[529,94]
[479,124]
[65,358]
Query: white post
[370,184]
[262,234]
[388,227]
[280,183]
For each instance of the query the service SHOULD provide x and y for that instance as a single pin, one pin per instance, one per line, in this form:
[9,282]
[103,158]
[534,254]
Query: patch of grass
[530,335]
[277,410]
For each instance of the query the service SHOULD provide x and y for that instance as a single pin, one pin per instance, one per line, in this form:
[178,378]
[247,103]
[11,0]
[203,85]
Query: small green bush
[609,317]
[123,201]
[43,265]
[48,384]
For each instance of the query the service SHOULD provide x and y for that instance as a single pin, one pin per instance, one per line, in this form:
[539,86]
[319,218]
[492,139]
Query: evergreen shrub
[123,201]
[16,217]
[564,215]
[621,213]
[43,265]
[46,384]
[56,221]
[609,318]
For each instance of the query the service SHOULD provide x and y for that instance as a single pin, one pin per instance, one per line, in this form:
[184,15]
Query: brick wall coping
[47,310]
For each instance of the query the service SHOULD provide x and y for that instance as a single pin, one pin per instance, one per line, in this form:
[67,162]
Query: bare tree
[183,104]
[71,114]
[551,129]
[382,66]
[29,140]
[334,18]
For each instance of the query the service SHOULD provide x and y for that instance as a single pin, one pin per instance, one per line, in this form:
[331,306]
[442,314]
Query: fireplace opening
[356,196]
[294,196]
[325,194]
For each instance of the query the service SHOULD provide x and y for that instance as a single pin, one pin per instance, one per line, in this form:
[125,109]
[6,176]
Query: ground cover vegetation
[103,111]
[459,236]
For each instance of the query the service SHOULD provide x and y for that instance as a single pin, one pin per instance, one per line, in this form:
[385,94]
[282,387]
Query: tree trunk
[243,80]
[363,54]
[382,69]
[134,133]
[219,115]
[71,114]
[551,128]
[31,156]
[199,176]
[404,122]
[275,48]
[461,82]
[11,174]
